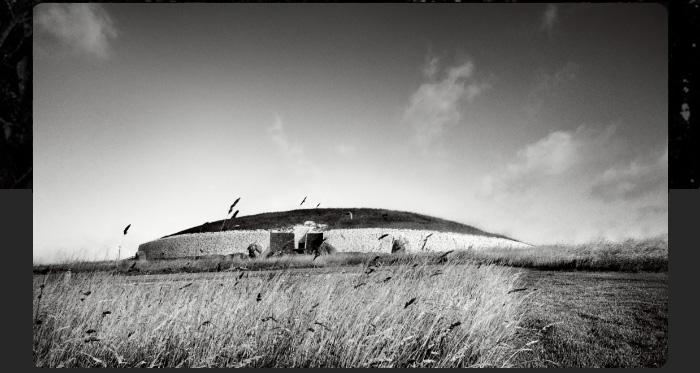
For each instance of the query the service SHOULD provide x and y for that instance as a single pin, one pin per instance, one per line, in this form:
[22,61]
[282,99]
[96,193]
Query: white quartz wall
[228,242]
[366,240]
[344,240]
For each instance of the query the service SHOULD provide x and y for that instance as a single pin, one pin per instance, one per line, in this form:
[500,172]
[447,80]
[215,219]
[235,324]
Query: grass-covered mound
[339,219]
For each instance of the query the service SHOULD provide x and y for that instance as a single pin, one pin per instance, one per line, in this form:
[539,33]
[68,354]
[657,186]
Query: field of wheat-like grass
[405,315]
[632,255]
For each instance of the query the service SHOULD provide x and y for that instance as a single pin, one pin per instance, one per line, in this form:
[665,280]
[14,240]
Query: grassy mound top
[337,218]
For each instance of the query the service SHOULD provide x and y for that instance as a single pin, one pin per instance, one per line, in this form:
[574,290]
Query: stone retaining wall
[228,242]
[344,240]
[366,240]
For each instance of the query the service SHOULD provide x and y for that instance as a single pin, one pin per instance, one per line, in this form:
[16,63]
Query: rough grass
[567,310]
[396,316]
[627,256]
[595,319]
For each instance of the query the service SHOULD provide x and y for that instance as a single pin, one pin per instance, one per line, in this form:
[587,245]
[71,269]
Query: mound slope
[336,218]
[369,230]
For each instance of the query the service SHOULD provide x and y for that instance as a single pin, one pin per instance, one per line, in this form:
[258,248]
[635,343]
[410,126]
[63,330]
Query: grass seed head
[410,302]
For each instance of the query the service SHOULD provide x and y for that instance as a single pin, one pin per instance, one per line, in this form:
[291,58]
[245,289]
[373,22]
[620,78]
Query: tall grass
[631,255]
[405,315]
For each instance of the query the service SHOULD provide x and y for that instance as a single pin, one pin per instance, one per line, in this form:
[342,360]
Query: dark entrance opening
[281,242]
[312,242]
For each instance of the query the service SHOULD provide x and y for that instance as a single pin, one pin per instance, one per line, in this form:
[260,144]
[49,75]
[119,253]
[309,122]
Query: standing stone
[254,250]
[326,249]
[400,246]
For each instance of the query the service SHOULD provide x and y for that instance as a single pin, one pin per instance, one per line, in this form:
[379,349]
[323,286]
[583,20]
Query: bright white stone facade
[344,240]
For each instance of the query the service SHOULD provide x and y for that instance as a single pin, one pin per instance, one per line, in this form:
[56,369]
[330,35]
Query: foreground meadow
[596,320]
[597,305]
[404,315]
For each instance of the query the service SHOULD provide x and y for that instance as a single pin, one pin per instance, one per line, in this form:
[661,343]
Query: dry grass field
[400,316]
[557,307]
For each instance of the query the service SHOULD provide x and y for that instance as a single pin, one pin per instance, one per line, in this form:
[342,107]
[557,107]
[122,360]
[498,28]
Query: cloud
[651,211]
[547,82]
[549,18]
[634,180]
[292,152]
[546,85]
[436,105]
[431,67]
[552,155]
[82,28]
[279,137]
[345,150]
[549,156]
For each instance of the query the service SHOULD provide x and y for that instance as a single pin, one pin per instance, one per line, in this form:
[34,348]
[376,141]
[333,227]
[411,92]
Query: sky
[546,123]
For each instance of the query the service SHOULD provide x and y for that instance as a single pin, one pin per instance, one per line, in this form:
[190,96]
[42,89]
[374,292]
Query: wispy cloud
[650,211]
[431,66]
[549,18]
[552,155]
[82,28]
[345,150]
[546,85]
[437,104]
[293,152]
[548,81]
[633,180]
